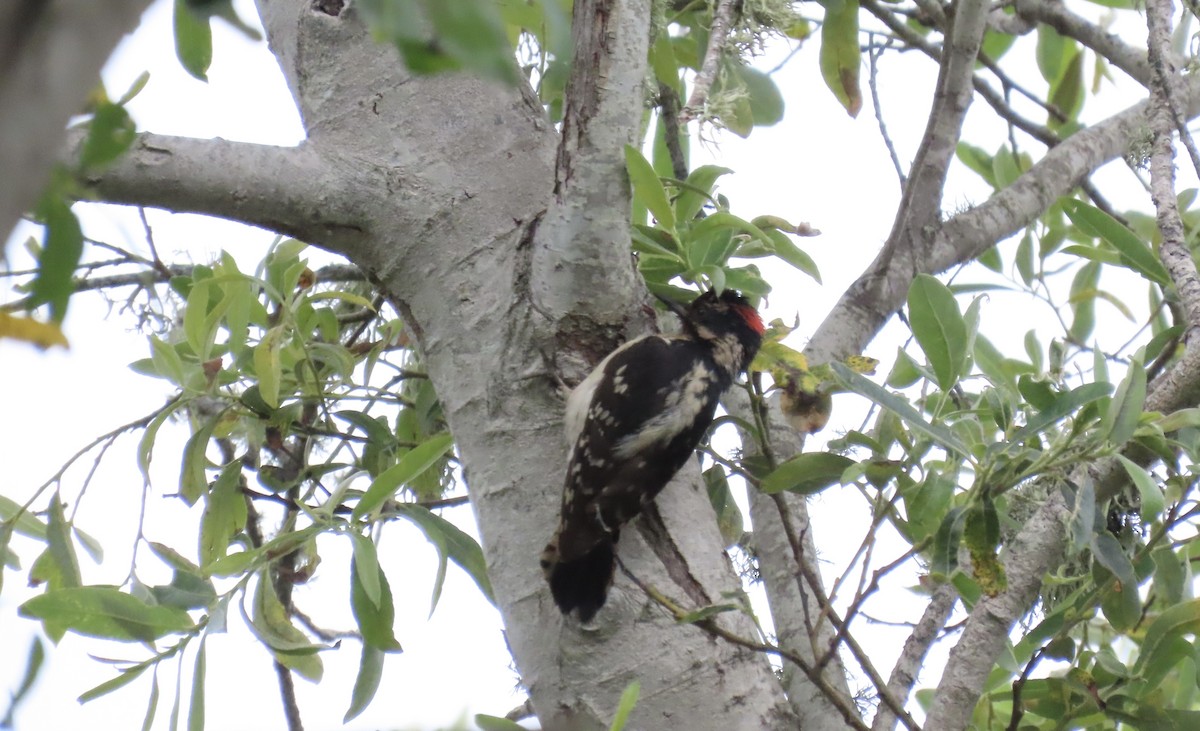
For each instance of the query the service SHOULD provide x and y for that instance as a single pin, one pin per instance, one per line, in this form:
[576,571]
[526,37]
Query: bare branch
[283,189]
[51,53]
[1174,252]
[718,34]
[1128,58]
[916,647]
[919,205]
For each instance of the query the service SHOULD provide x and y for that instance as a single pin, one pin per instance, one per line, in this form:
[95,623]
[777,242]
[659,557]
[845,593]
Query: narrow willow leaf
[629,699]
[225,514]
[193,479]
[461,548]
[901,408]
[1177,621]
[196,706]
[151,704]
[268,367]
[106,612]
[806,473]
[1151,494]
[61,549]
[366,683]
[375,619]
[1135,253]
[946,542]
[1083,516]
[125,677]
[366,565]
[411,464]
[1125,410]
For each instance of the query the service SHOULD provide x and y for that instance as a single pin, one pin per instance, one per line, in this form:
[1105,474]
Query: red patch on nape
[752,318]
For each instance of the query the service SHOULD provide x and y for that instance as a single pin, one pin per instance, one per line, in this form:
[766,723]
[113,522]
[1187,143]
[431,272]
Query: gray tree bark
[504,246]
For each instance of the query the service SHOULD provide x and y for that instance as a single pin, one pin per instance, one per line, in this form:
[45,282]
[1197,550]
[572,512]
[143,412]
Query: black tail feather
[583,583]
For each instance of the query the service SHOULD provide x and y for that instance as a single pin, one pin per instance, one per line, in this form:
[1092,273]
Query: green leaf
[1083,301]
[1135,253]
[841,53]
[193,480]
[806,473]
[496,723]
[411,464]
[459,547]
[110,134]
[186,591]
[105,612]
[270,623]
[196,706]
[939,328]
[268,367]
[125,677]
[62,248]
[60,548]
[1062,406]
[898,406]
[472,33]
[193,41]
[946,542]
[690,199]
[366,566]
[1181,619]
[1121,418]
[766,103]
[1151,494]
[366,683]
[27,524]
[1109,554]
[729,515]
[224,514]
[629,699]
[376,619]
[1068,93]
[648,189]
[33,667]
[145,451]
[1082,522]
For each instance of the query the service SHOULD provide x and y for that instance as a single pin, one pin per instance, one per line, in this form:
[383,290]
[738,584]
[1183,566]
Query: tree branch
[921,201]
[1128,58]
[581,262]
[72,38]
[1174,251]
[284,189]
[718,35]
[916,647]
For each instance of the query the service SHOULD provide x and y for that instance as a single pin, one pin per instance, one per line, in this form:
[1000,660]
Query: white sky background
[816,166]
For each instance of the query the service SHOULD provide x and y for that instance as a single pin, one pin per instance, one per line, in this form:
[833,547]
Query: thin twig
[873,53]
[710,625]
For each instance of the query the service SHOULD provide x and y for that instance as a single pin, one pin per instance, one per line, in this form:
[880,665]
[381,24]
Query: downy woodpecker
[632,423]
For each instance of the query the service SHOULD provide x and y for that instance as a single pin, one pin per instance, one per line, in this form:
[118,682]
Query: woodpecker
[632,423]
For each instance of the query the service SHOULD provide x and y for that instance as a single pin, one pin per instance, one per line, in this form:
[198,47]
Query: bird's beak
[674,306]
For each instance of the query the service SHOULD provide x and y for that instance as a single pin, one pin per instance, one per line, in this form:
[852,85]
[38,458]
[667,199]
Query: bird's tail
[580,583]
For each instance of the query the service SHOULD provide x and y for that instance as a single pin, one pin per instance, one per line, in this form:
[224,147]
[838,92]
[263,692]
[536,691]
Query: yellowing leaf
[41,334]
